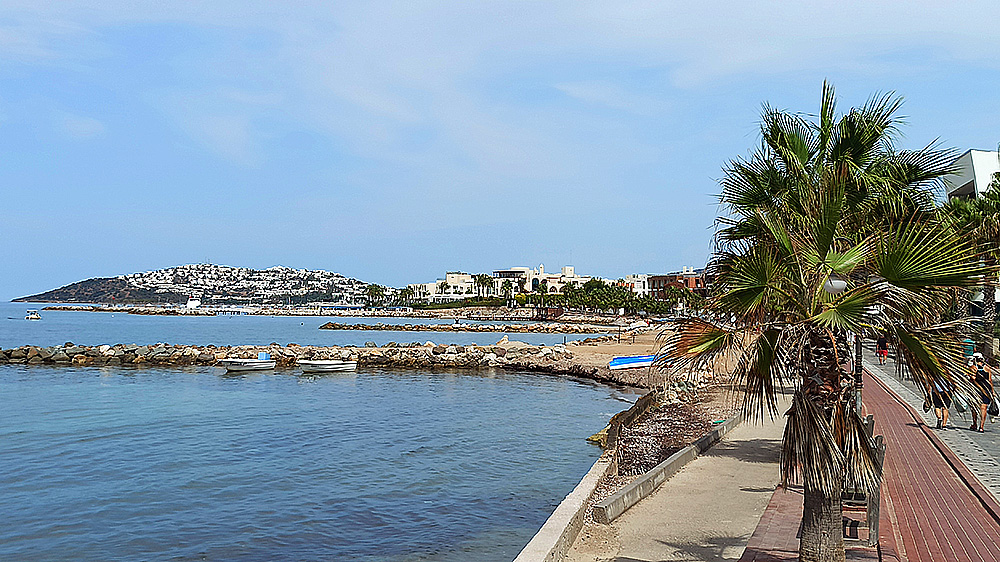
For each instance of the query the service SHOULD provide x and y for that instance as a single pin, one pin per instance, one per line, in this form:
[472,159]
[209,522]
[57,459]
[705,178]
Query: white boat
[262,363]
[327,365]
[32,315]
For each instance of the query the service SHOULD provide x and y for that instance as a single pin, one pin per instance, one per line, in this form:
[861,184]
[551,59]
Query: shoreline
[471,313]
[538,327]
[584,358]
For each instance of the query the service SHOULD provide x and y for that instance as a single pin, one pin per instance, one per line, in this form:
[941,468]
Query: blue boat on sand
[631,362]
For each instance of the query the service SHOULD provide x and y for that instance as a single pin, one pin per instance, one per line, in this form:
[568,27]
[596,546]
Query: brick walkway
[933,508]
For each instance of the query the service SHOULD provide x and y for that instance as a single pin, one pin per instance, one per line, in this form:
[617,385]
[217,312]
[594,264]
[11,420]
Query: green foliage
[830,199]
[464,303]
[597,296]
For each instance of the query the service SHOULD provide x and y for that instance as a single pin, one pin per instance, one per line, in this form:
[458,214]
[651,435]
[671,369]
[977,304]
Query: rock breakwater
[556,359]
[538,328]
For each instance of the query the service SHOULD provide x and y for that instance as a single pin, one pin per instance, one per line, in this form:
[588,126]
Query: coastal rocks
[556,359]
[538,327]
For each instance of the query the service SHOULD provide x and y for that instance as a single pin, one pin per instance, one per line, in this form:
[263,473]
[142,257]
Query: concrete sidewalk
[707,511]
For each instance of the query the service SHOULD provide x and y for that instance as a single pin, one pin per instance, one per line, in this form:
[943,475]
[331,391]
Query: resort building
[455,286]
[687,278]
[638,283]
[527,279]
[975,171]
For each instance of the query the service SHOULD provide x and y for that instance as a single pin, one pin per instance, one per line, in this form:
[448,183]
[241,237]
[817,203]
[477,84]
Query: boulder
[61,357]
[370,344]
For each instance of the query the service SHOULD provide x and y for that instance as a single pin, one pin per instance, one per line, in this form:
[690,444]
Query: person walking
[882,349]
[982,378]
[941,397]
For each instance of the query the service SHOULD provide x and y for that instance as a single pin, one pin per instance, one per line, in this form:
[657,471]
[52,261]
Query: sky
[392,141]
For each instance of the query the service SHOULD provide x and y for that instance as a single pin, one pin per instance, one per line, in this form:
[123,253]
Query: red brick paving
[933,509]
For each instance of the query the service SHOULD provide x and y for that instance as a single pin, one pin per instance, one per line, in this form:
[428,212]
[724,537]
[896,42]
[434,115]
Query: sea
[189,463]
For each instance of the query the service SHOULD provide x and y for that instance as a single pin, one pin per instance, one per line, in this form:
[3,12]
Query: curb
[553,540]
[609,509]
[556,536]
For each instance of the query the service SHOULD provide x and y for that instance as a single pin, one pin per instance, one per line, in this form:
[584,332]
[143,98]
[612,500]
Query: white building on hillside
[638,283]
[528,279]
[455,286]
[974,175]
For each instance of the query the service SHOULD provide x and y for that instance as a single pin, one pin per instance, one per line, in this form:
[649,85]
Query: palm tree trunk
[822,537]
[964,304]
[989,315]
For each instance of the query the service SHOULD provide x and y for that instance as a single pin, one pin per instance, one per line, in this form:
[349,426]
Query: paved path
[937,509]
[980,452]
[706,511]
[938,496]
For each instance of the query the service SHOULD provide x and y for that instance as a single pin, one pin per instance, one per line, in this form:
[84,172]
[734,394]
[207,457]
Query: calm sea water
[96,328]
[193,464]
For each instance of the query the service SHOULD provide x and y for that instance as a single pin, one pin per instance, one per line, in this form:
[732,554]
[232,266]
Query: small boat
[631,362]
[327,365]
[32,315]
[262,363]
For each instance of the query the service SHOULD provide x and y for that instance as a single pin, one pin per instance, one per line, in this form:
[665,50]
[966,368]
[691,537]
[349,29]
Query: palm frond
[760,372]
[916,255]
[863,471]
[809,451]
[849,311]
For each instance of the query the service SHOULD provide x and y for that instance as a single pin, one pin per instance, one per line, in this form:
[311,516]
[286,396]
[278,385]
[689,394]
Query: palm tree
[405,295]
[979,220]
[507,288]
[830,232]
[374,293]
[483,283]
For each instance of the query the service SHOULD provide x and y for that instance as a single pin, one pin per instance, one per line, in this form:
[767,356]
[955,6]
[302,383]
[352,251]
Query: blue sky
[392,141]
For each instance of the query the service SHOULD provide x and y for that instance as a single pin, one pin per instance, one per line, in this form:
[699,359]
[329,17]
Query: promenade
[939,495]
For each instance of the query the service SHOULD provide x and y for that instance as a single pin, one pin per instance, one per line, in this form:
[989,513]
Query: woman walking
[982,377]
[941,396]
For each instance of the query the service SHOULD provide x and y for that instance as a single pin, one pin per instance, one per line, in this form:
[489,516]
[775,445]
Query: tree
[443,287]
[375,294]
[507,288]
[979,220]
[830,232]
[405,295]
[483,283]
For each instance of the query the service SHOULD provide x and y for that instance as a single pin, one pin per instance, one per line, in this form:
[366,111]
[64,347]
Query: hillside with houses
[213,284]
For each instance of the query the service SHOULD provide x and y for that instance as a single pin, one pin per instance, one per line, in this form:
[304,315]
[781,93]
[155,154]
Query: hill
[213,284]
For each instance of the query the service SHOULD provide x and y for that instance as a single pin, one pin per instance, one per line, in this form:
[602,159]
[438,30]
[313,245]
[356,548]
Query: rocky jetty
[139,310]
[538,328]
[555,359]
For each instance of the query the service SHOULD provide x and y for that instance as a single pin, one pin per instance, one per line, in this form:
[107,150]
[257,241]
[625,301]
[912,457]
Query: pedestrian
[882,349]
[982,378]
[941,397]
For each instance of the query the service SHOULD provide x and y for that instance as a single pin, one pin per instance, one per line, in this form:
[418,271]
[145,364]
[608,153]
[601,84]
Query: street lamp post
[836,285]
